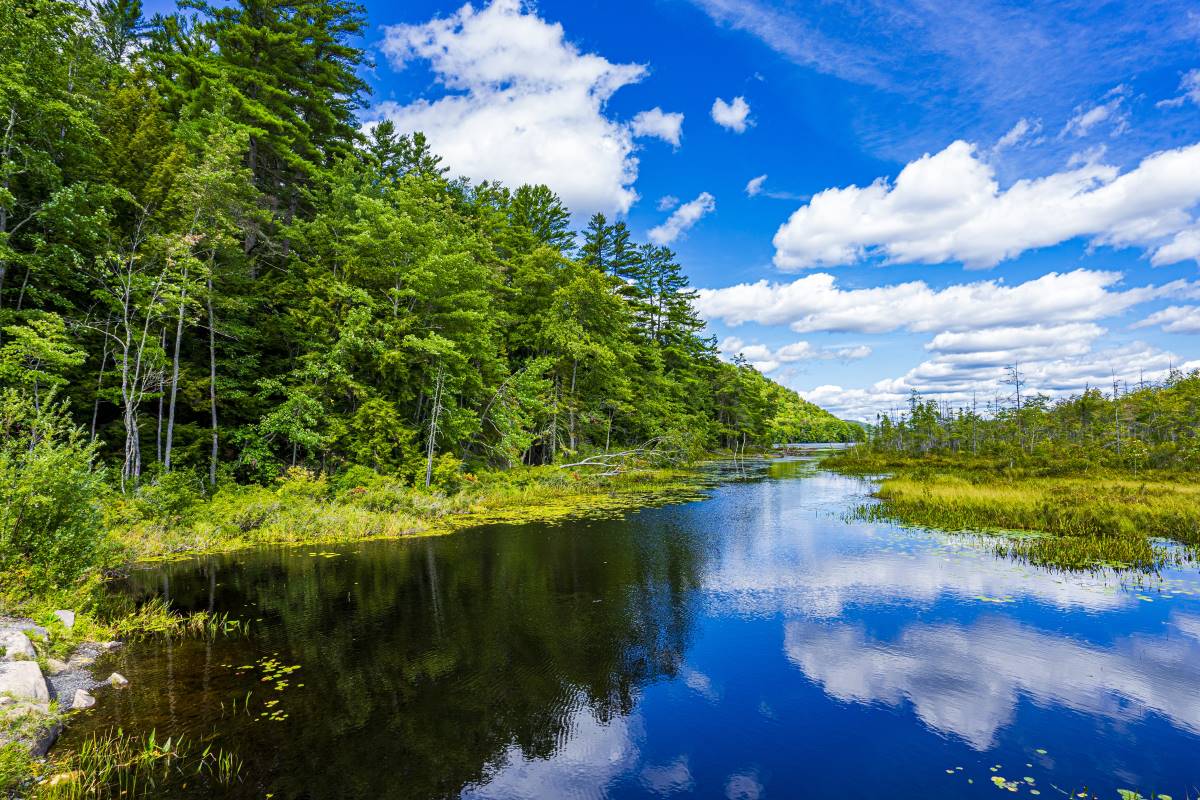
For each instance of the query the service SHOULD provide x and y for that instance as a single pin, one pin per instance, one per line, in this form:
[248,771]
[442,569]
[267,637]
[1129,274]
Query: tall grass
[113,764]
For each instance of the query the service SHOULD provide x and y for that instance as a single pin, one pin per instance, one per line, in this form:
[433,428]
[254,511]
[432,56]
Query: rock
[23,680]
[82,699]
[104,646]
[67,617]
[118,680]
[79,661]
[16,646]
[55,666]
[5,700]
[44,740]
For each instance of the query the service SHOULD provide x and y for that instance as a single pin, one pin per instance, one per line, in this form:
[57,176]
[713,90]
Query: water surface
[757,644]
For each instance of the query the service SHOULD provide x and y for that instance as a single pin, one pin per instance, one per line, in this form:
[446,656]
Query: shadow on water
[762,643]
[422,663]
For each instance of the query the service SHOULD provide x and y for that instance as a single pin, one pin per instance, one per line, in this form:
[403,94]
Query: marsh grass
[1081,522]
[304,508]
[156,618]
[114,764]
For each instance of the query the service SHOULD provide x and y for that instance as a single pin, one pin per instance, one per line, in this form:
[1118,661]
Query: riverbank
[167,520]
[1069,521]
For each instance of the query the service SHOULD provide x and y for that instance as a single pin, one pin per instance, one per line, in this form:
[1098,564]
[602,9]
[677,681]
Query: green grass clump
[114,764]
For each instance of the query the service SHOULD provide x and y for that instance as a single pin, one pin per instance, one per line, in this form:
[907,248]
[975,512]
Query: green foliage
[50,522]
[225,279]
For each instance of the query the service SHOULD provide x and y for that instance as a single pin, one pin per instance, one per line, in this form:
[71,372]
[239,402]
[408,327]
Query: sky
[871,198]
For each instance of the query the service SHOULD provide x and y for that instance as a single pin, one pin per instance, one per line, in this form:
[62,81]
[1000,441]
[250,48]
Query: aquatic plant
[114,764]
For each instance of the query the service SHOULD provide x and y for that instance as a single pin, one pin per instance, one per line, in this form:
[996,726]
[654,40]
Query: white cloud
[658,124]
[963,379]
[1189,85]
[1022,130]
[1088,117]
[525,105]
[669,778]
[743,786]
[667,202]
[1185,246]
[755,185]
[949,207]
[682,220]
[816,303]
[590,754]
[1010,340]
[764,359]
[732,115]
[969,680]
[1174,319]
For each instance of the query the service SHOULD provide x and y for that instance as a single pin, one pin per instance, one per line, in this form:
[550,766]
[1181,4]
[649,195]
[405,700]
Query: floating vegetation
[274,673]
[113,764]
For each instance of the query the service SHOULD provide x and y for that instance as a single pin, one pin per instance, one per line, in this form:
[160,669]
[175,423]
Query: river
[761,643]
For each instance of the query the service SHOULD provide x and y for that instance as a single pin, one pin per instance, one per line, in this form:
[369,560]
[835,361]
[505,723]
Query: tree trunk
[574,370]
[158,448]
[433,425]
[212,382]
[175,372]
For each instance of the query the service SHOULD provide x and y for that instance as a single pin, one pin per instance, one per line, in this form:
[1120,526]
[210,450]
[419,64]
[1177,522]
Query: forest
[218,269]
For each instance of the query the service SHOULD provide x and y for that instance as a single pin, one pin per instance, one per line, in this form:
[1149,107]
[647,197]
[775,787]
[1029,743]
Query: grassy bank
[303,508]
[1078,521]
[171,518]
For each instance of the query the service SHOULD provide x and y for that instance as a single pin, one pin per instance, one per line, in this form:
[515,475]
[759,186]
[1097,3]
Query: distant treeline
[1150,426]
[202,252]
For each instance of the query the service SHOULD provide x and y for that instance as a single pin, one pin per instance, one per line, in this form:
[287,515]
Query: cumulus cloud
[1174,319]
[981,378]
[1189,86]
[683,219]
[524,105]
[667,202]
[949,207]
[816,303]
[734,115]
[1047,325]
[658,124]
[755,185]
[1185,246]
[766,359]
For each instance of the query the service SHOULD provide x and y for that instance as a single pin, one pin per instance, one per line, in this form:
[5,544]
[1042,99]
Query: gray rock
[118,680]
[82,699]
[54,666]
[44,740]
[16,646]
[67,617]
[23,679]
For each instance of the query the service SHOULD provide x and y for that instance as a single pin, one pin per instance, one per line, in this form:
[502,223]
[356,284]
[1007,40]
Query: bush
[51,529]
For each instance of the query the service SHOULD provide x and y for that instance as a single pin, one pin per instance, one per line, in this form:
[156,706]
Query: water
[753,645]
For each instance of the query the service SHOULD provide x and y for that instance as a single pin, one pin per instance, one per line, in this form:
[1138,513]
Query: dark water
[752,645]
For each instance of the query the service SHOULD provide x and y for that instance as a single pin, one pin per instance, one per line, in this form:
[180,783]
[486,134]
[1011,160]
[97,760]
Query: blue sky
[950,186]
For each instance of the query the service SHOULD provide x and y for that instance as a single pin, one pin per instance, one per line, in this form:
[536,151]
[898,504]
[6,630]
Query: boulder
[82,699]
[54,666]
[23,680]
[118,680]
[16,646]
[66,617]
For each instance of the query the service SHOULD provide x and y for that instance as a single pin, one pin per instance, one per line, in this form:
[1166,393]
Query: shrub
[51,529]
